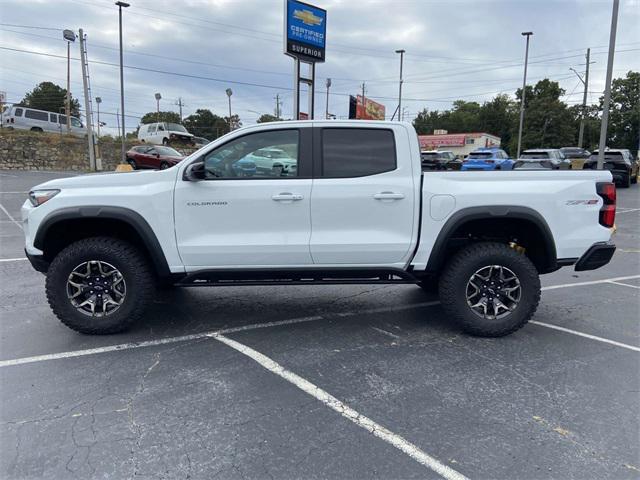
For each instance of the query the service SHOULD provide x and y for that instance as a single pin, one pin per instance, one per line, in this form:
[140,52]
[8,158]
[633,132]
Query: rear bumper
[597,256]
[38,262]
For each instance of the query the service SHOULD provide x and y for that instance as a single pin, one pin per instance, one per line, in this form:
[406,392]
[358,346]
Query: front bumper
[38,262]
[597,256]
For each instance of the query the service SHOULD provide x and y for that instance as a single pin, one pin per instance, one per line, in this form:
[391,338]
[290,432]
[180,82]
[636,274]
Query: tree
[50,97]
[426,121]
[267,117]
[206,124]
[624,112]
[153,117]
[548,122]
[497,117]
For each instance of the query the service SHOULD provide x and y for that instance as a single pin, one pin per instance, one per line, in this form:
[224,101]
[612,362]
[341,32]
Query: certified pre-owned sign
[306,28]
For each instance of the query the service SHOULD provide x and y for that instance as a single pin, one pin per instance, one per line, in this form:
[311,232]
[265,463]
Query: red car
[156,157]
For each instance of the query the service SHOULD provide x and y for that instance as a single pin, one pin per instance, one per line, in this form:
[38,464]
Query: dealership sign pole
[304,39]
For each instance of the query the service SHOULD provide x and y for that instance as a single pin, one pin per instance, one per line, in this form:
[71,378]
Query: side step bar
[219,278]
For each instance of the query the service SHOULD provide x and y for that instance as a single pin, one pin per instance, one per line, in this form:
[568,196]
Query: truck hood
[111,179]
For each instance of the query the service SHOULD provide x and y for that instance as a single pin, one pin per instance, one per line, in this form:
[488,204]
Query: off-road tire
[460,269]
[122,255]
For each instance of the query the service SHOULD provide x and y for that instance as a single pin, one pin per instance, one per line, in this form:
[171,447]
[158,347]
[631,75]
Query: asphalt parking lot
[322,381]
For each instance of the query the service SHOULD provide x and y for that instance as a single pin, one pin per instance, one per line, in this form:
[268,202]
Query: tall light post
[158,98]
[121,5]
[326,110]
[607,87]
[69,36]
[524,87]
[401,52]
[229,93]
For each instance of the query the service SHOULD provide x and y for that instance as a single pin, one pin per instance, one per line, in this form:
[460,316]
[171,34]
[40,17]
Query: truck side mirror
[194,172]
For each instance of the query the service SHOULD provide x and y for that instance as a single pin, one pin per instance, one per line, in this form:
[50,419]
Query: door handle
[287,197]
[388,196]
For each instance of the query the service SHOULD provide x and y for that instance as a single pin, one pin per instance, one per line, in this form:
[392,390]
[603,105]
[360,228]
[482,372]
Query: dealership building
[461,144]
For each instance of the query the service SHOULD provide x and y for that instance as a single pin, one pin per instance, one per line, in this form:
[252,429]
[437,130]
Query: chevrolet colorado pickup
[356,208]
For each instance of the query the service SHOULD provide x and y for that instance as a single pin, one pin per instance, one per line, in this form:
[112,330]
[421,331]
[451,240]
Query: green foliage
[153,117]
[50,97]
[624,113]
[267,117]
[206,124]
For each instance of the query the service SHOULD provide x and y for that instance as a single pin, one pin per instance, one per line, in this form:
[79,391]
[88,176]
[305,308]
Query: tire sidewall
[460,275]
[56,284]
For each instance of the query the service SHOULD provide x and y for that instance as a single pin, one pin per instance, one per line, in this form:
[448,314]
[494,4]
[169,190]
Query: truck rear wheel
[489,289]
[99,285]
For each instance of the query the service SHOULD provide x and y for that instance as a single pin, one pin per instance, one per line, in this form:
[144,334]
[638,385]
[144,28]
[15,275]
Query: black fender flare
[436,258]
[126,215]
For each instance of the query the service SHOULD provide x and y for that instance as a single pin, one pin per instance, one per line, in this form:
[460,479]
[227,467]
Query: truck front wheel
[489,289]
[99,285]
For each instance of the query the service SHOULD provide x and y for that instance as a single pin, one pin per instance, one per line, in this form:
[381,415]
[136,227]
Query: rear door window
[36,115]
[18,112]
[53,118]
[357,152]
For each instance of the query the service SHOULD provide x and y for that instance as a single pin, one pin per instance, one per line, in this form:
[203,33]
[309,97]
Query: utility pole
[278,102]
[121,5]
[607,88]
[326,109]
[401,52]
[524,88]
[87,101]
[585,82]
[158,98]
[229,92]
[98,102]
[179,103]
[69,36]
[364,103]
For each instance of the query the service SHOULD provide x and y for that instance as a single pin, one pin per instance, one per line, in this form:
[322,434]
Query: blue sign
[306,31]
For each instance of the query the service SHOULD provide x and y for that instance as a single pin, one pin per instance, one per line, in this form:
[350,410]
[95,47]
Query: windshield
[168,152]
[174,127]
[535,155]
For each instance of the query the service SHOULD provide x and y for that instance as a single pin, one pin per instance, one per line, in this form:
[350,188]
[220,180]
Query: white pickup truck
[356,209]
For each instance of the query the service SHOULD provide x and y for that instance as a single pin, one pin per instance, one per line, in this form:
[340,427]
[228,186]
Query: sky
[194,50]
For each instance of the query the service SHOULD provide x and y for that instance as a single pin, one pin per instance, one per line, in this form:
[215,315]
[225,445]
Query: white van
[24,118]
[163,133]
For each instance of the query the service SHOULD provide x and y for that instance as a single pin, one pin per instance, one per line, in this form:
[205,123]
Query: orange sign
[370,110]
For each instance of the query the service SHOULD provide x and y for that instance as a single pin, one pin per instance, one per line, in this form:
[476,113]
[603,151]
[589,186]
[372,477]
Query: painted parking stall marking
[347,412]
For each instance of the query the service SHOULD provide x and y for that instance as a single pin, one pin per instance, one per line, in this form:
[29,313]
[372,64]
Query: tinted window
[18,112]
[535,155]
[53,118]
[357,152]
[258,155]
[36,115]
[473,155]
[62,119]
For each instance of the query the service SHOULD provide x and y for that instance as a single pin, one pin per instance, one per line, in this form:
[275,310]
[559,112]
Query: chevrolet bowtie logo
[307,17]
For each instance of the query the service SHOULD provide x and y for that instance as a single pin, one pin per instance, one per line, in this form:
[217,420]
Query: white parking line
[624,284]
[347,412]
[586,335]
[627,210]
[13,259]
[10,217]
[164,341]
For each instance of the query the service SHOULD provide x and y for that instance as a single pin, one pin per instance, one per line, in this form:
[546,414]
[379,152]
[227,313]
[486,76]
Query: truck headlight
[38,197]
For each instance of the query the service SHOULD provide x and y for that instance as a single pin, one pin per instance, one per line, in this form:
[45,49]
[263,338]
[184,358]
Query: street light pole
[158,97]
[326,110]
[69,36]
[607,88]
[401,52]
[229,92]
[524,88]
[121,5]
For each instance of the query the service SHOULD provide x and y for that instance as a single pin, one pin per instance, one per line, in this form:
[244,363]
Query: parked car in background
[225,164]
[575,152]
[488,158]
[159,158]
[200,141]
[24,118]
[274,161]
[621,164]
[545,157]
[439,160]
[163,133]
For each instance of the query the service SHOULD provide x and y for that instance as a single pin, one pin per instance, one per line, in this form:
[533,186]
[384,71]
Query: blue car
[488,158]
